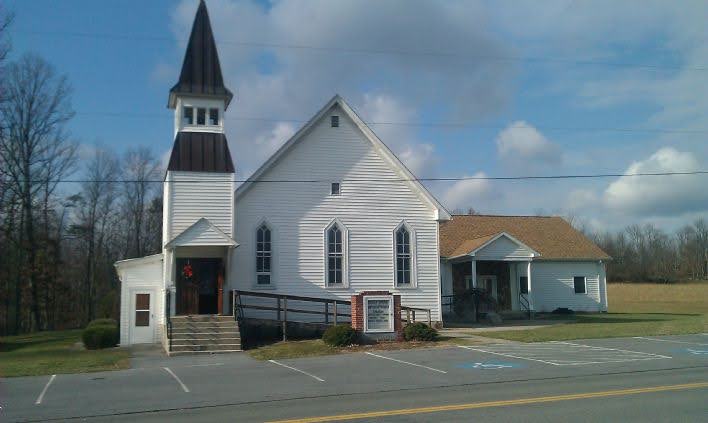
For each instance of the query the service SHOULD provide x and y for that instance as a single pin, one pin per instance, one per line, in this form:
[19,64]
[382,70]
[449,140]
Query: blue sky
[525,76]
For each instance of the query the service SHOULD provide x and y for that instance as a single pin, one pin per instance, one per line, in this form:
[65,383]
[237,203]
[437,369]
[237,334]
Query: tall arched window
[335,256]
[404,256]
[263,255]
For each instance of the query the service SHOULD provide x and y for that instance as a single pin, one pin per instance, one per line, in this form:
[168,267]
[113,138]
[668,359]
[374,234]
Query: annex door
[489,284]
[142,320]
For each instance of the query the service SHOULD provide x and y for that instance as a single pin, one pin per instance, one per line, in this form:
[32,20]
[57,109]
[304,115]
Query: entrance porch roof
[499,246]
[202,233]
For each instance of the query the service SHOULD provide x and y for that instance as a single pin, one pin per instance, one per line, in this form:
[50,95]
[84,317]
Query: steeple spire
[201,72]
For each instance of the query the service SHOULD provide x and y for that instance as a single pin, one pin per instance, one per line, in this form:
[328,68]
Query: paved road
[659,378]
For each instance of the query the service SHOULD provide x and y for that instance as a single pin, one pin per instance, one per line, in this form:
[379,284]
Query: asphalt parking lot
[161,384]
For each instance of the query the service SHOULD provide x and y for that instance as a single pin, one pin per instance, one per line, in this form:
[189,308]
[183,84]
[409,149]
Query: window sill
[336,288]
[264,287]
[405,287]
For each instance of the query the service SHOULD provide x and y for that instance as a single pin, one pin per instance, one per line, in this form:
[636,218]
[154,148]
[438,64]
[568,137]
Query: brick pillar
[357,309]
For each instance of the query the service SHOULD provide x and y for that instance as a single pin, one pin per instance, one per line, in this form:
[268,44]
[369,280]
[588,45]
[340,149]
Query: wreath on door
[187,271]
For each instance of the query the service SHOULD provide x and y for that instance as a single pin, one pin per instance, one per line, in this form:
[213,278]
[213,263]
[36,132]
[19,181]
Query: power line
[340,49]
[442,179]
[419,124]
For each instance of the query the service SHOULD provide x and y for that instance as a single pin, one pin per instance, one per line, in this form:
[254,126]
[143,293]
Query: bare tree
[141,171]
[35,151]
[95,207]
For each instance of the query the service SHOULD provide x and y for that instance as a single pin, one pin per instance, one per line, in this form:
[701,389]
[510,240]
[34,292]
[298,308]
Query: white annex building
[358,220]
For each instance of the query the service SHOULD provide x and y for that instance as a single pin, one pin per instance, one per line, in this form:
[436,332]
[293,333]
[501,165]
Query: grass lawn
[44,353]
[315,347]
[636,309]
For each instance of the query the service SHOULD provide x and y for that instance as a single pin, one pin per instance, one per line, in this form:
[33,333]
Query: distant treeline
[58,241]
[644,253]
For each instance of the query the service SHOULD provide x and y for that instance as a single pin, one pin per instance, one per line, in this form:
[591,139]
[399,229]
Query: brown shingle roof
[551,236]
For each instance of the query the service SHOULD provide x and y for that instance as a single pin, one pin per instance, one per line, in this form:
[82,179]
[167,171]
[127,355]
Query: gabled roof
[201,71]
[202,232]
[472,246]
[138,261]
[201,152]
[379,145]
[550,236]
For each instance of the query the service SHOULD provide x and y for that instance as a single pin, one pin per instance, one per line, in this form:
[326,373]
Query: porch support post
[474,273]
[528,279]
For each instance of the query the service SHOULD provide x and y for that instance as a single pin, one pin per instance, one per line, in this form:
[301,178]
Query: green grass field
[45,353]
[635,309]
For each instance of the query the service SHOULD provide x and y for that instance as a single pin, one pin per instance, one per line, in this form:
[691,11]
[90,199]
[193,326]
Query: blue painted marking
[489,365]
[697,351]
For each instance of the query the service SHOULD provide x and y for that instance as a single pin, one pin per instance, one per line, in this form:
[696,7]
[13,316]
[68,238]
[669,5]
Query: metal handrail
[168,319]
[524,303]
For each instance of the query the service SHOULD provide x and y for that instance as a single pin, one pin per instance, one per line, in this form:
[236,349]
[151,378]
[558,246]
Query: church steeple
[200,99]
[201,72]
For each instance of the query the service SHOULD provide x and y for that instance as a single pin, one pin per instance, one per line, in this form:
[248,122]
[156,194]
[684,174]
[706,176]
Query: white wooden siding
[503,248]
[552,285]
[299,213]
[193,195]
[147,275]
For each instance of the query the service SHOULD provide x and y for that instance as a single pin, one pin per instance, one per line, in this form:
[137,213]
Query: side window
[263,255]
[523,285]
[579,284]
[335,256]
[403,257]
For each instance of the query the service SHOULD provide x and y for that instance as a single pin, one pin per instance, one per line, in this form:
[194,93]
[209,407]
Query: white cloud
[467,193]
[524,145]
[659,195]
[284,84]
[419,157]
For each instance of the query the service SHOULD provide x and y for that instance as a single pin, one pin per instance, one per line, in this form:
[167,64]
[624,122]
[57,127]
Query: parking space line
[509,355]
[297,370]
[406,362]
[670,340]
[44,391]
[611,349]
[184,387]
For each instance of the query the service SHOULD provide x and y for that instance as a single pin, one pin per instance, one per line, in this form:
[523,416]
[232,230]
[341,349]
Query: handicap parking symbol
[489,366]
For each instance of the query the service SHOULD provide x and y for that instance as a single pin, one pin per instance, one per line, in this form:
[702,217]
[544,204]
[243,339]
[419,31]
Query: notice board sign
[378,313]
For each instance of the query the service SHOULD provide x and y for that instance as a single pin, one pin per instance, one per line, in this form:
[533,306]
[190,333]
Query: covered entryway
[490,274]
[200,285]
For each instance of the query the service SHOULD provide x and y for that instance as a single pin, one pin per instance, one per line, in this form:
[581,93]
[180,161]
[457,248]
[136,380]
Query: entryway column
[528,279]
[474,273]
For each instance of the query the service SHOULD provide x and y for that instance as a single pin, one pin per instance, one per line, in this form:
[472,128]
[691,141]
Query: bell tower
[198,191]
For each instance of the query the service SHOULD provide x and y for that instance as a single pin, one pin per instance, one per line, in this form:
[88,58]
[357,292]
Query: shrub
[419,332]
[340,336]
[102,322]
[100,336]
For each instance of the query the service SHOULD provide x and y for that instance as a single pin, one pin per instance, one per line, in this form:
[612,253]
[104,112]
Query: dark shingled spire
[201,152]
[201,71]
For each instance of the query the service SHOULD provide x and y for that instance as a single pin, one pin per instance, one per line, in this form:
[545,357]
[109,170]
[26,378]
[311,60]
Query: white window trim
[391,312]
[414,266]
[585,285]
[345,255]
[273,255]
[340,189]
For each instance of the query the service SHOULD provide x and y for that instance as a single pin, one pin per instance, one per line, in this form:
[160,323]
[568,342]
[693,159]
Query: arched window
[335,255]
[404,256]
[263,255]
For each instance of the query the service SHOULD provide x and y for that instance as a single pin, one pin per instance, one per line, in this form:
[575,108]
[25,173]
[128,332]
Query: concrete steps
[196,334]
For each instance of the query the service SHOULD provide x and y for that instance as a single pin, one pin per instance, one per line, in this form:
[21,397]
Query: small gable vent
[334,121]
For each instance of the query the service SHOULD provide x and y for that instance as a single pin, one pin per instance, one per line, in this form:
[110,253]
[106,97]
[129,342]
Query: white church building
[331,213]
